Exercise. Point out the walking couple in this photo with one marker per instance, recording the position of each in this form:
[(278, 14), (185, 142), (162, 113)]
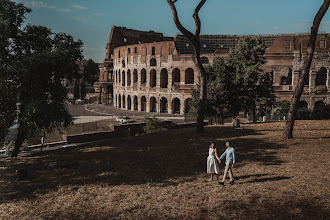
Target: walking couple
[(213, 162)]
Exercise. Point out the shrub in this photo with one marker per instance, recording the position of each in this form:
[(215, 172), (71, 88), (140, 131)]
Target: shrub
[(322, 112), (153, 125), (304, 114), (282, 107)]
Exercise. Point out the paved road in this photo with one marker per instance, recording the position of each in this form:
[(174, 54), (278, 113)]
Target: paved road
[(79, 110)]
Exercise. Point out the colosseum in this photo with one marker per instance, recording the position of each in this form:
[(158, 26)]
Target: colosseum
[(146, 71)]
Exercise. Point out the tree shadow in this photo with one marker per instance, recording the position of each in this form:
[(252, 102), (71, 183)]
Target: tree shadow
[(165, 159)]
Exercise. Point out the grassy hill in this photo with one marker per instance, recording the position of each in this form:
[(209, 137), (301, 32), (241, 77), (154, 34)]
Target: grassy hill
[(163, 175)]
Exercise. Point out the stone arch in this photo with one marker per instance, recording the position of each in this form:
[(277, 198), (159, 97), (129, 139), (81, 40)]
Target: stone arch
[(135, 103), (205, 60), (163, 78), (321, 77), (176, 106), (153, 78), (153, 104), (119, 101), (187, 105), (176, 75), (143, 76), (189, 76), (123, 78), (143, 103), (303, 104), (153, 62), (163, 105), (124, 102), (129, 102), (319, 103), (135, 76), (128, 77)]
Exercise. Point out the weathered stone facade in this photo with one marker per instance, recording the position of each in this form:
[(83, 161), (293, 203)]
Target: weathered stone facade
[(145, 71)]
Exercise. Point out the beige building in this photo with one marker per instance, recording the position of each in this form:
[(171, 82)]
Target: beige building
[(145, 71)]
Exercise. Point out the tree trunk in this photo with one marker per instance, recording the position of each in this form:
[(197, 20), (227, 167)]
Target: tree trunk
[(19, 140), (194, 39), (254, 114), (307, 61)]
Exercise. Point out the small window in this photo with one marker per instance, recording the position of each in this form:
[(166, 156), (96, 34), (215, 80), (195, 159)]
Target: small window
[(135, 49), (322, 44), (128, 50), (287, 45), (153, 51), (119, 54)]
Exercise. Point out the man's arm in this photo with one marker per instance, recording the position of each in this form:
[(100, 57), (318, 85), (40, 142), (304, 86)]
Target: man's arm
[(223, 155), (234, 157)]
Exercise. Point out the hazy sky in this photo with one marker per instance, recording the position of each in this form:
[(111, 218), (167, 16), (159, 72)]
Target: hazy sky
[(91, 20)]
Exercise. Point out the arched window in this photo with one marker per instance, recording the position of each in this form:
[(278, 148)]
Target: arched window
[(321, 77), (129, 102), (153, 104), (143, 76), (128, 77), (163, 78), (135, 102), (163, 105), (123, 63), (289, 78), (176, 75), (143, 103), (124, 102), (153, 78), (123, 78), (176, 106), (204, 60), (119, 101), (135, 76), (189, 76), (153, 62)]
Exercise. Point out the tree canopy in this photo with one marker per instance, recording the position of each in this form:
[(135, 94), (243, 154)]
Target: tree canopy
[(40, 60)]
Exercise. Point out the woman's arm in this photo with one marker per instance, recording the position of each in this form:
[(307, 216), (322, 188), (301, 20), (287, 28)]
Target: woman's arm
[(216, 155)]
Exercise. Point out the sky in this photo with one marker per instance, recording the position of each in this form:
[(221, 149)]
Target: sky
[(91, 20)]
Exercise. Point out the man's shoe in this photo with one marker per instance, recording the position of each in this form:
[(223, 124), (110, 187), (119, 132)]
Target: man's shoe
[(232, 182), (221, 183)]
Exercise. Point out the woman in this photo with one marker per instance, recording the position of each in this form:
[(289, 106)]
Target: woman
[(212, 165)]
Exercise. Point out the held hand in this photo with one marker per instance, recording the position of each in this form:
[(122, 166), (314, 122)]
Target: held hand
[(232, 166)]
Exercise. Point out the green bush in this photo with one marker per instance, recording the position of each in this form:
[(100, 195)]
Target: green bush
[(304, 114), (321, 112), (153, 125)]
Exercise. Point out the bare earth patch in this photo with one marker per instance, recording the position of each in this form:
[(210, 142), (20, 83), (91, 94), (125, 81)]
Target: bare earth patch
[(164, 176)]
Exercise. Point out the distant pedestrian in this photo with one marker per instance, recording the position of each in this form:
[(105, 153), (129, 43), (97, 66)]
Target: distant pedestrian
[(230, 155), (212, 161)]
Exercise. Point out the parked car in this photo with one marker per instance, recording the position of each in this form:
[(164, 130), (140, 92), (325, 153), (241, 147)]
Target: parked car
[(124, 119)]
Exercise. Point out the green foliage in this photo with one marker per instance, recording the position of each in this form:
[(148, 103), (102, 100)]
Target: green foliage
[(153, 125), (322, 112), (283, 107), (304, 114), (237, 83), (39, 60), (91, 71), (82, 88)]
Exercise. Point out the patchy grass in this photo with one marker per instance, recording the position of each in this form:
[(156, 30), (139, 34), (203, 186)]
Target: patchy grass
[(164, 176)]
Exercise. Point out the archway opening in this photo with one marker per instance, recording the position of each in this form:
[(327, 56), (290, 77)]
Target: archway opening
[(321, 77), (176, 106), (128, 77), (153, 78), (143, 103), (189, 76), (143, 76), (303, 104), (119, 101), (135, 76), (153, 62), (135, 102), (124, 102), (123, 78), (163, 105), (204, 60), (153, 104), (129, 102), (163, 78), (176, 75)]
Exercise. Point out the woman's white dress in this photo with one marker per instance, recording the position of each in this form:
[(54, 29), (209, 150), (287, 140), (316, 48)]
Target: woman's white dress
[(212, 164)]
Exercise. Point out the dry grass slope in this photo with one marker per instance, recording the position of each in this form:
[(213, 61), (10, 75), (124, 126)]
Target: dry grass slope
[(163, 176)]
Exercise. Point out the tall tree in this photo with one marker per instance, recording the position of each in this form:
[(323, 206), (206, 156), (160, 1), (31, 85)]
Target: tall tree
[(12, 16), (82, 88), (245, 60), (40, 60), (76, 94), (195, 41), (91, 70), (307, 62)]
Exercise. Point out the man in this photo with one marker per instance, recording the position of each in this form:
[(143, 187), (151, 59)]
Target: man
[(230, 161)]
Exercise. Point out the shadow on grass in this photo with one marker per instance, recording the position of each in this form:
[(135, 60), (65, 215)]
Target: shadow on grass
[(166, 159)]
